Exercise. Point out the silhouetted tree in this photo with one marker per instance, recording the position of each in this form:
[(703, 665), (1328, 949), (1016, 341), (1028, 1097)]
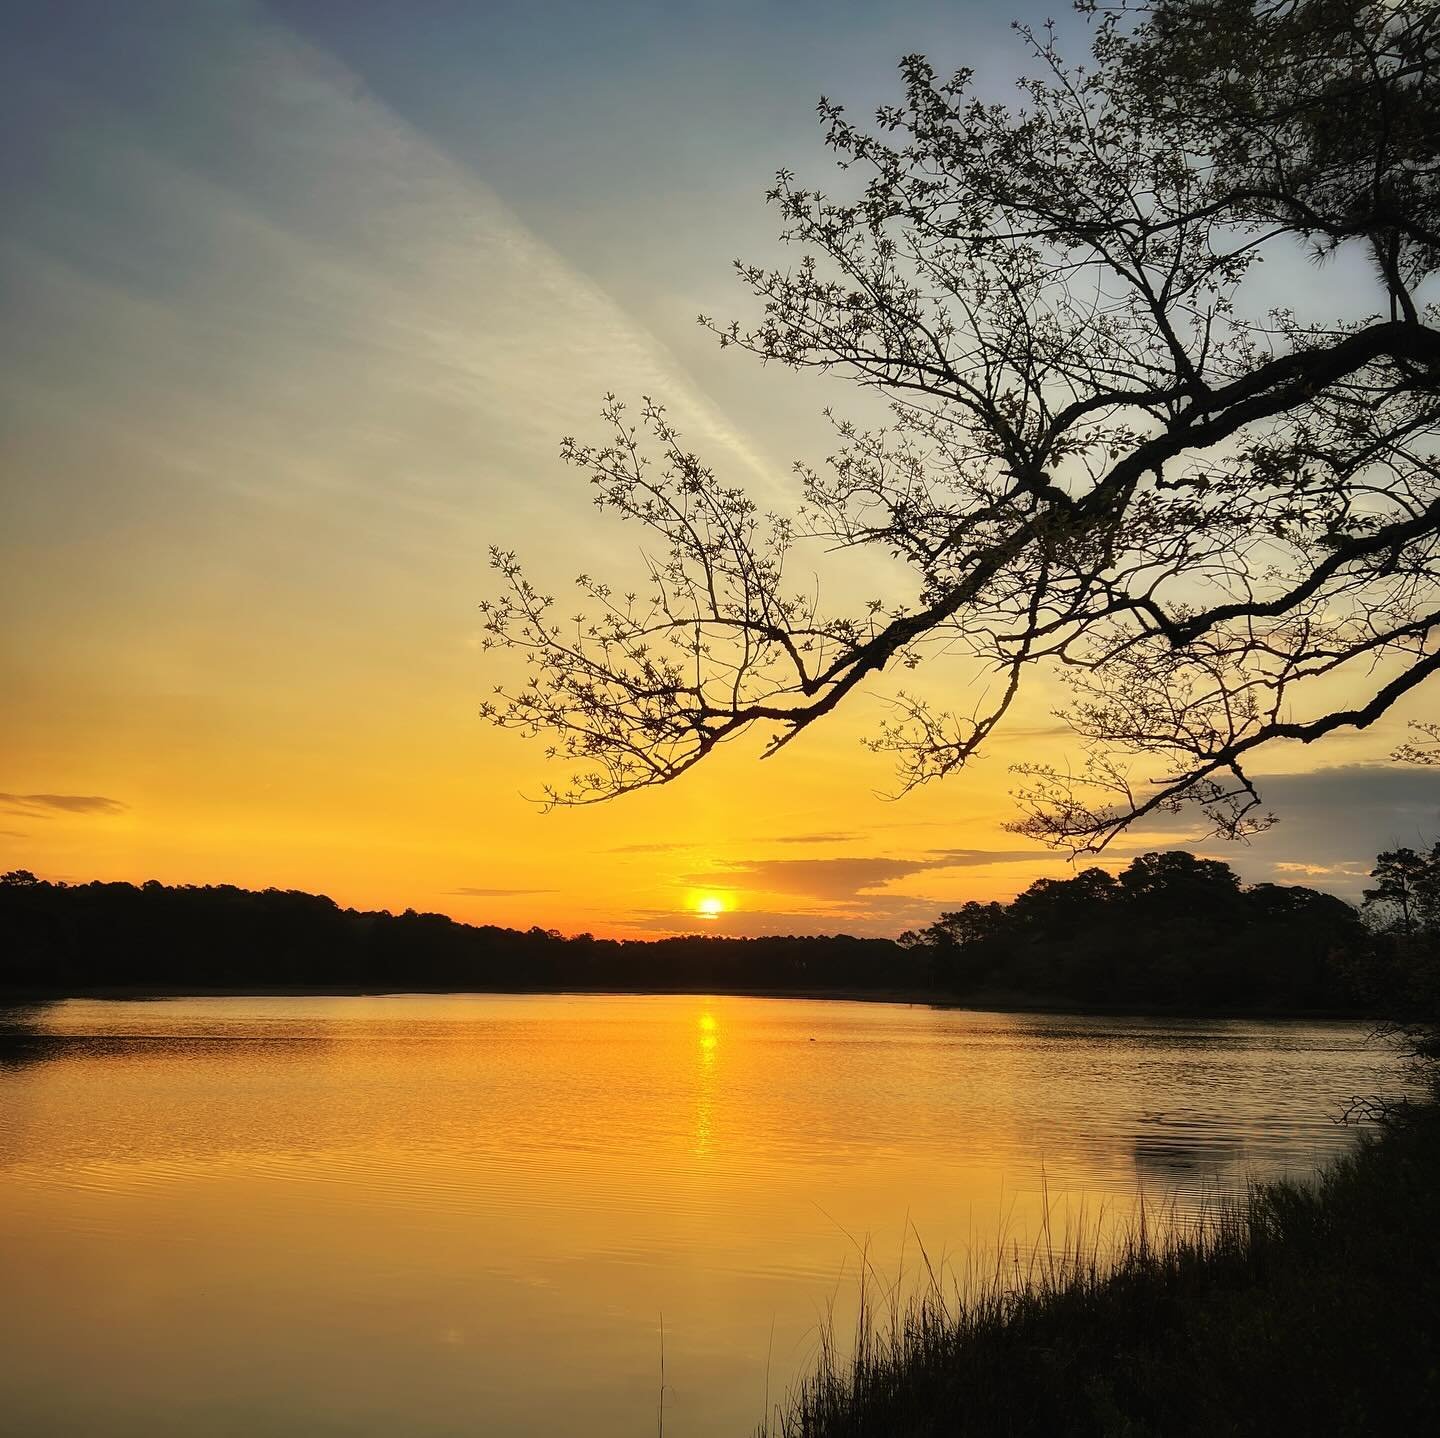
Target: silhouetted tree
[(1177, 884), (1222, 525), (57, 938), (1404, 906), (961, 945), (1171, 929), (1408, 888)]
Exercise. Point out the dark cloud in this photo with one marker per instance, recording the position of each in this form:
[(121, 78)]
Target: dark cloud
[(1403, 796), (979, 858), (500, 893), (42, 804), (840, 879), (826, 879), (1332, 823)]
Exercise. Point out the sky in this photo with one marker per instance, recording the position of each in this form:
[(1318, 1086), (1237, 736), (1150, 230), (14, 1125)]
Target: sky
[(299, 300)]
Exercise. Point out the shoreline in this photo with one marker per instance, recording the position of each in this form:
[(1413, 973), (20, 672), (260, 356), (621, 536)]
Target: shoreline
[(997, 1003), (1305, 1307)]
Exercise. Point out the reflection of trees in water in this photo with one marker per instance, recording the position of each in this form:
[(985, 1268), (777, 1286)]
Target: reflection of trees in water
[(26, 1039), (1152, 1031), (117, 1094), (1172, 1147), (22, 1040)]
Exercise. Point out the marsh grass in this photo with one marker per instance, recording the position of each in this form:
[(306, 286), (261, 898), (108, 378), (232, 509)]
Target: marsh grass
[(1305, 1308)]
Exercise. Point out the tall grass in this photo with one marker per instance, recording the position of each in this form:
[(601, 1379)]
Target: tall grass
[(1306, 1307)]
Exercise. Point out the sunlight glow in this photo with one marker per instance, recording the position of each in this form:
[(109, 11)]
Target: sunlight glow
[(708, 1038), (710, 907)]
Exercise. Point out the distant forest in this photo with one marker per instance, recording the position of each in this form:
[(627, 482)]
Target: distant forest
[(1171, 931)]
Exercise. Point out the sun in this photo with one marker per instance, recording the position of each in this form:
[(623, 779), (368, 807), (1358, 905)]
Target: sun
[(710, 907)]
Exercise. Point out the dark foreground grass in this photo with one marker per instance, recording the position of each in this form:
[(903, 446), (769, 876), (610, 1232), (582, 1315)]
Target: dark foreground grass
[(1308, 1309)]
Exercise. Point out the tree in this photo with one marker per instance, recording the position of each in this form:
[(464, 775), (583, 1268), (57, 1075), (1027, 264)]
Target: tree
[(1408, 887), (973, 923), (1220, 525), (1170, 929), (962, 943), (1052, 907), (1177, 883)]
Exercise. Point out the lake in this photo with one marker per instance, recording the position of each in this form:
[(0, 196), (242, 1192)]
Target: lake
[(443, 1215)]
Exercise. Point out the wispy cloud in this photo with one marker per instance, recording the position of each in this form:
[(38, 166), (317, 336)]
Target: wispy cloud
[(41, 805), (1316, 871), (342, 255), (477, 893), (1036, 731)]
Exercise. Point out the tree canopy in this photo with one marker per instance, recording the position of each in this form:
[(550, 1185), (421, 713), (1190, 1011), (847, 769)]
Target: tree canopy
[(1406, 895), (1171, 929), (1217, 521), (64, 938)]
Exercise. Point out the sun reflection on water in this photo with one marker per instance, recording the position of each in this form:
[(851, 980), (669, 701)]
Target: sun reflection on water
[(706, 1075)]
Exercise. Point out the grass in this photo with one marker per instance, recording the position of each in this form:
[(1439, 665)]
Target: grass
[(1308, 1308)]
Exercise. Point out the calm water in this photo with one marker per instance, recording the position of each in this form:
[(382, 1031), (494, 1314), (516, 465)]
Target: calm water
[(466, 1215)]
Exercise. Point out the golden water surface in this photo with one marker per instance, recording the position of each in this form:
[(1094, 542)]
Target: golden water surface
[(444, 1215)]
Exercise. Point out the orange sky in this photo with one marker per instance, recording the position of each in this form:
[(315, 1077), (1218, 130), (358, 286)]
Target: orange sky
[(280, 366)]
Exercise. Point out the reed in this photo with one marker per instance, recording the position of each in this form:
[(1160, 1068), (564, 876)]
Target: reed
[(1305, 1307)]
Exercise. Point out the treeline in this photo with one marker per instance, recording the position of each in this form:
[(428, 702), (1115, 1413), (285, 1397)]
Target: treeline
[(1171, 931), (63, 938)]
